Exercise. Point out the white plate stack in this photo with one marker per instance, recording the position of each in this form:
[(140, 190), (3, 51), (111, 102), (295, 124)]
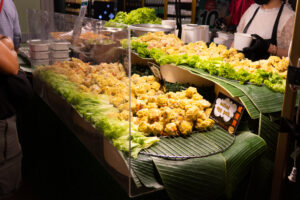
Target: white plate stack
[(39, 52), (224, 38), (59, 51)]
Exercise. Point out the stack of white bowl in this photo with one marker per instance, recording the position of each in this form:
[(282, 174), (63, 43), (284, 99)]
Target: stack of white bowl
[(224, 38), (39, 52), (59, 51)]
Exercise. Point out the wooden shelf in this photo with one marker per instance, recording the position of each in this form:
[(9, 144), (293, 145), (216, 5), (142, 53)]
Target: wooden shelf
[(182, 16), (72, 10), (73, 2), (107, 1)]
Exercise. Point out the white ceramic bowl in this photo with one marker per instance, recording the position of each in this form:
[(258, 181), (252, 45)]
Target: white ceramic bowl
[(241, 41)]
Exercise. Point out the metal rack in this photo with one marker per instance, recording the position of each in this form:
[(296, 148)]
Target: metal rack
[(189, 5), (161, 7), (284, 136)]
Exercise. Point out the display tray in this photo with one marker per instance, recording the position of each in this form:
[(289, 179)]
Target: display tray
[(138, 60), (197, 145), (195, 175), (106, 154), (176, 74)]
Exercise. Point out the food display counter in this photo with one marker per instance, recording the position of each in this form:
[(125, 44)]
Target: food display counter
[(152, 134)]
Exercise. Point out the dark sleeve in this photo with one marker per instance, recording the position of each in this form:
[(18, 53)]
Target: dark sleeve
[(19, 90)]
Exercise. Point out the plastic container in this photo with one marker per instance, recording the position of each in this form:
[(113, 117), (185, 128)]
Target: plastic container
[(38, 45), (225, 35), (204, 33), (60, 45), (219, 40), (39, 55), (189, 33), (60, 54), (223, 41), (55, 60), (169, 22), (241, 41), (38, 62)]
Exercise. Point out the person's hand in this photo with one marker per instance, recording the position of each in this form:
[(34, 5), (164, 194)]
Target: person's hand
[(258, 49), (220, 23)]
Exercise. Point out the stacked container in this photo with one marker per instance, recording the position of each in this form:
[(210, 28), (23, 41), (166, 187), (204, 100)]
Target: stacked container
[(45, 52), (59, 51), (39, 52)]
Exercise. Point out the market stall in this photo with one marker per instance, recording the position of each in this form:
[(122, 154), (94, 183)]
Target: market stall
[(152, 134)]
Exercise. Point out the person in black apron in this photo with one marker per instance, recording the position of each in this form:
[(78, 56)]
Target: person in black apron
[(15, 92), (262, 48)]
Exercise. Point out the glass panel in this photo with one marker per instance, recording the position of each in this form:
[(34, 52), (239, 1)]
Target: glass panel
[(104, 94), (146, 114)]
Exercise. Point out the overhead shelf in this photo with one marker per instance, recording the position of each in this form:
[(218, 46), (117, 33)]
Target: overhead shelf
[(73, 1), (73, 10), (184, 3), (103, 0)]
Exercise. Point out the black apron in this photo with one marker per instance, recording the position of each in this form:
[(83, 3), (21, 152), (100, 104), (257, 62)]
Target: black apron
[(273, 39)]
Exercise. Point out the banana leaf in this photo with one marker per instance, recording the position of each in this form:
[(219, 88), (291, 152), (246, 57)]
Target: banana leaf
[(250, 107), (261, 178), (144, 169), (199, 144), (268, 130), (257, 99), (211, 177), (231, 89)]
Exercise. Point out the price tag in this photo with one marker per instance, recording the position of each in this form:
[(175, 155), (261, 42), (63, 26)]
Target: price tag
[(227, 113), (157, 73)]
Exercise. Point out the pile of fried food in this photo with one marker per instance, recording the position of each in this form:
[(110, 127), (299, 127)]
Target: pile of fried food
[(153, 112), (172, 45)]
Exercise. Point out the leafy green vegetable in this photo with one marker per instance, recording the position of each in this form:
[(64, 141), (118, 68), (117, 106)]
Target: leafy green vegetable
[(214, 66), (276, 82), (138, 16), (97, 111), (258, 77), (140, 48)]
